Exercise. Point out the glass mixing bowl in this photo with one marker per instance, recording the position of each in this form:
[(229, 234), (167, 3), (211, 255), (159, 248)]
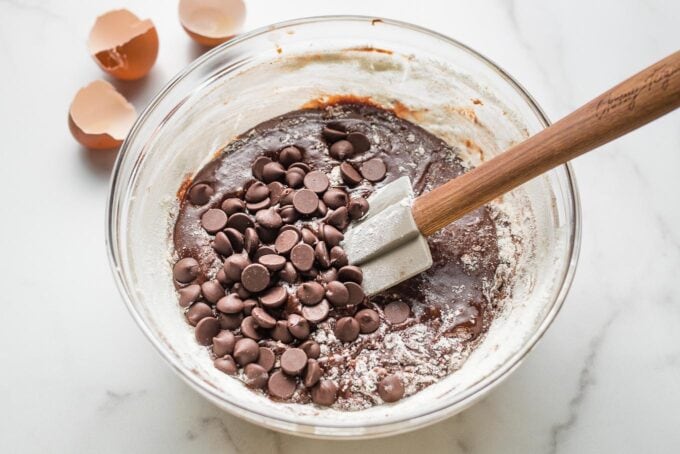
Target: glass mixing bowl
[(425, 77)]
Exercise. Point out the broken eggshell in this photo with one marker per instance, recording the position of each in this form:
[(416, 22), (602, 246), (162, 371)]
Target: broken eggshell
[(99, 116), (212, 22), (123, 45)]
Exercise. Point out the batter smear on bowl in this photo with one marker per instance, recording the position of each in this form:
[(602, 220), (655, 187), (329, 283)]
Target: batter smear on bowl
[(262, 276)]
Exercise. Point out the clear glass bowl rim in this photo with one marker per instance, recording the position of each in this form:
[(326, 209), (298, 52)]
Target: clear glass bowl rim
[(429, 416)]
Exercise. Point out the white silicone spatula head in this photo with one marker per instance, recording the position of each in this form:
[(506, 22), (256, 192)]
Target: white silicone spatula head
[(387, 244)]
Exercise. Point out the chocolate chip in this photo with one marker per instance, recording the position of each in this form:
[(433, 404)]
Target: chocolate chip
[(249, 328), (234, 266), (258, 166), (333, 135), (391, 389), (357, 208), (232, 205), (289, 273), (214, 220), (310, 293), (200, 193), (341, 150), (212, 291), (274, 297), (230, 304), (289, 155), (230, 321), (269, 218), (331, 235), (331, 274), (262, 251), (257, 206), (266, 235), (350, 273), (189, 294), (251, 241), (359, 141), (295, 178), (280, 332), (236, 239), (223, 343), (325, 392), (257, 192), (349, 174), (246, 351), (321, 254), (397, 312), (308, 236), (267, 359), (316, 313), (338, 257), (197, 312), (373, 170), (273, 262), (312, 374), (240, 222), (337, 293), (222, 245), (356, 293), (305, 201), (289, 227), (300, 165), (298, 326), (226, 364), (289, 214), (302, 256), (222, 278), (240, 290), (293, 361), (286, 240), (281, 386), (255, 277), (316, 181), (368, 319), (321, 210), (339, 218), (311, 349), (275, 191), (206, 329), (262, 318), (335, 198), (287, 197), (255, 376), (293, 305), (272, 171), (346, 329), (249, 305), (185, 270)]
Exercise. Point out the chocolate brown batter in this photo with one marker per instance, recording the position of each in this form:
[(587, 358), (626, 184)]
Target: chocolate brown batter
[(447, 308)]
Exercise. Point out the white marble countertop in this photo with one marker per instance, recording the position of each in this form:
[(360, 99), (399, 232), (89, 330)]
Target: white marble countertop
[(78, 376)]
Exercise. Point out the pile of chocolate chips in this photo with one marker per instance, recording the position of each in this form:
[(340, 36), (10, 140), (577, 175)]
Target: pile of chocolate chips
[(284, 272)]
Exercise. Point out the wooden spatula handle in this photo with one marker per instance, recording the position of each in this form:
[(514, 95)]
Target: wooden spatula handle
[(647, 95)]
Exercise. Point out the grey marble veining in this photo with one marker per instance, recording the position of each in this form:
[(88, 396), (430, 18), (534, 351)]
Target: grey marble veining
[(78, 376)]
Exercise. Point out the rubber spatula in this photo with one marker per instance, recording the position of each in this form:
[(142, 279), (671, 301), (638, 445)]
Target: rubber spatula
[(390, 243)]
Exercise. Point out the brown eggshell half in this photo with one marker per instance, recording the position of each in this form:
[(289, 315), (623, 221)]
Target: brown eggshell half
[(212, 22), (100, 117), (123, 45)]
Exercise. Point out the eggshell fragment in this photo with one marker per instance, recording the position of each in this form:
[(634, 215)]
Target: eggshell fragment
[(100, 117), (212, 22), (123, 45)]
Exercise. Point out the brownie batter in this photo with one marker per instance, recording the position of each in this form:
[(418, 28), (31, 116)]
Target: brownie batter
[(353, 354)]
